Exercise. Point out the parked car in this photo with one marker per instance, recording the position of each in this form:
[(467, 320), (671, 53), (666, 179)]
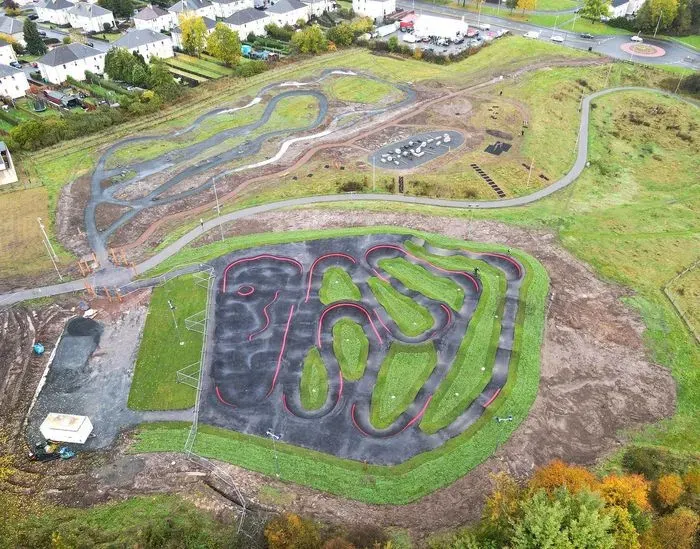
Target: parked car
[(532, 34), (637, 38), (577, 10), (15, 64), (90, 44), (557, 38), (587, 36), (42, 33), (33, 17), (484, 26)]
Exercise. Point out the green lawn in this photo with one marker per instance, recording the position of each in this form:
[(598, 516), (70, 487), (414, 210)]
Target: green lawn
[(418, 278), (412, 318), (314, 381), (337, 285), (351, 347), (403, 372), (154, 386), (693, 40), (359, 89)]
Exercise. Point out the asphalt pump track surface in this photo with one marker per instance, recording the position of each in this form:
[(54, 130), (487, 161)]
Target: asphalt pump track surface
[(267, 316)]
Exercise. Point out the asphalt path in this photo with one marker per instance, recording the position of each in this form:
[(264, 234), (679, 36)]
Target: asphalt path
[(609, 45), (112, 277)]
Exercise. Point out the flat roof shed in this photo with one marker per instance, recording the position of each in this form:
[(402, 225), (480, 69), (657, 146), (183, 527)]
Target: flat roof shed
[(66, 428)]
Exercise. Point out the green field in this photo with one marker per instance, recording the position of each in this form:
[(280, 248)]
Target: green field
[(403, 372), (351, 347), (412, 318), (313, 385), (360, 90), (161, 354), (337, 285)]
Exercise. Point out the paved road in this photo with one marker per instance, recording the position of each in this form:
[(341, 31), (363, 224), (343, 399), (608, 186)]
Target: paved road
[(676, 54), (119, 277)]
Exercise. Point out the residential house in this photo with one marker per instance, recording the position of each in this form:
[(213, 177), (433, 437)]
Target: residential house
[(224, 8), (7, 167), (288, 12), (7, 53), (177, 33), (90, 17), (625, 8), (248, 20), (155, 18), (203, 8), (147, 43), (376, 9), (14, 28), (317, 7), (70, 60), (54, 11), (13, 82)]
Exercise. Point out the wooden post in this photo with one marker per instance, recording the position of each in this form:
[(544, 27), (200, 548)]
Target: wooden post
[(113, 255), (109, 296), (80, 266), (118, 294), (125, 262)]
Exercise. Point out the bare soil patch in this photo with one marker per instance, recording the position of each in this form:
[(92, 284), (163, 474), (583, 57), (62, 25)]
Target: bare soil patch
[(70, 217)]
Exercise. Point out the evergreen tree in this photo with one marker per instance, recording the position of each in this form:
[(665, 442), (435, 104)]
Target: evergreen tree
[(35, 45)]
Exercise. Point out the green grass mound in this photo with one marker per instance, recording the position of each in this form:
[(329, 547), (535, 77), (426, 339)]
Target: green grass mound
[(154, 386), (412, 318), (351, 347), (313, 386), (420, 279), (356, 89), (338, 286), (403, 372)]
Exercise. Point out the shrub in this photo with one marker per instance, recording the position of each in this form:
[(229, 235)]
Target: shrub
[(351, 186), (674, 531), (692, 481), (669, 489), (246, 70), (280, 33), (558, 474), (292, 532), (622, 490), (652, 462)]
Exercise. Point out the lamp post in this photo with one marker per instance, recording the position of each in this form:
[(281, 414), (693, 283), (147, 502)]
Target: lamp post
[(49, 248), (275, 438), (661, 12), (218, 208)]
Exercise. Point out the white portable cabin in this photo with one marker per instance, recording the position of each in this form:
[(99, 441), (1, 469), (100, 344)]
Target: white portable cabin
[(66, 428)]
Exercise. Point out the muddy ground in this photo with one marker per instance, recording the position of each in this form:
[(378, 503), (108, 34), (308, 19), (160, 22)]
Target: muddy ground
[(596, 381)]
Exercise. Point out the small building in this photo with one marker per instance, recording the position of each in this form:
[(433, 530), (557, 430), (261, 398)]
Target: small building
[(248, 20), (8, 174), (7, 53), (13, 28), (155, 18), (90, 17), (442, 27), (376, 9), (61, 99), (203, 8), (225, 8), (66, 428), (176, 35), (54, 11), (318, 7), (70, 60), (625, 8), (146, 43), (13, 82), (288, 12)]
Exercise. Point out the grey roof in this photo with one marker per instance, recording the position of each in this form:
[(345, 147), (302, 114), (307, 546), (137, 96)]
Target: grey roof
[(57, 5), (618, 3), (136, 38), (4, 43), (285, 6), (245, 16), (6, 70), (10, 26), (68, 53), (83, 9), (149, 13), (208, 23), (188, 5)]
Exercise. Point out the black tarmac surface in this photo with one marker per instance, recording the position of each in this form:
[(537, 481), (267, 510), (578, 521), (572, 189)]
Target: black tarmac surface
[(416, 150), (265, 324)]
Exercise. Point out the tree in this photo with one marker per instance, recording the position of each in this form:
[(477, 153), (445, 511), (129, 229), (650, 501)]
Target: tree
[(224, 44), (310, 40), (194, 33), (292, 532), (362, 25), (393, 43), (624, 531), (669, 489), (674, 531), (511, 4), (161, 80), (35, 45), (558, 474), (527, 4), (341, 35), (594, 9), (683, 23), (657, 12), (622, 490), (120, 8)]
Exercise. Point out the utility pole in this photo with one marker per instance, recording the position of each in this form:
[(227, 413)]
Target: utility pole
[(529, 173), (43, 231), (661, 12), (49, 248), (374, 175), (679, 83), (275, 438), (218, 209), (177, 328), (607, 78)]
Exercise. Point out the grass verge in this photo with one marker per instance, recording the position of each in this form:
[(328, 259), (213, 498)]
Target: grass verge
[(412, 318), (359, 89), (351, 348), (337, 285), (313, 386)]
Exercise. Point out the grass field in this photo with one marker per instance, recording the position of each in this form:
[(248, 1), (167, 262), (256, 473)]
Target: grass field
[(351, 347), (338, 286), (313, 386), (403, 372), (418, 278), (693, 40), (686, 293), (412, 318), (161, 355), (359, 89)]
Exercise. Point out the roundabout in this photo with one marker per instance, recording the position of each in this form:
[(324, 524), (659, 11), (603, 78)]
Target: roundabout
[(643, 50)]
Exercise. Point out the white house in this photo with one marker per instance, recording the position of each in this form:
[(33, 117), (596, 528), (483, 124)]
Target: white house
[(70, 60), (248, 20), (7, 53), (177, 33), (224, 8), (12, 28), (13, 82), (317, 7), (90, 17), (54, 11), (155, 18), (7, 166), (147, 43), (376, 9), (288, 12), (624, 8), (203, 8)]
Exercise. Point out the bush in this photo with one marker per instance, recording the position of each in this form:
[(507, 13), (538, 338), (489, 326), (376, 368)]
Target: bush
[(652, 462), (351, 186), (292, 532), (623, 23), (280, 33), (558, 474), (246, 70), (669, 489)]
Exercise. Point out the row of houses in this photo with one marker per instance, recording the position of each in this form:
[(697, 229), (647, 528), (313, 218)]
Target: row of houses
[(80, 15)]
